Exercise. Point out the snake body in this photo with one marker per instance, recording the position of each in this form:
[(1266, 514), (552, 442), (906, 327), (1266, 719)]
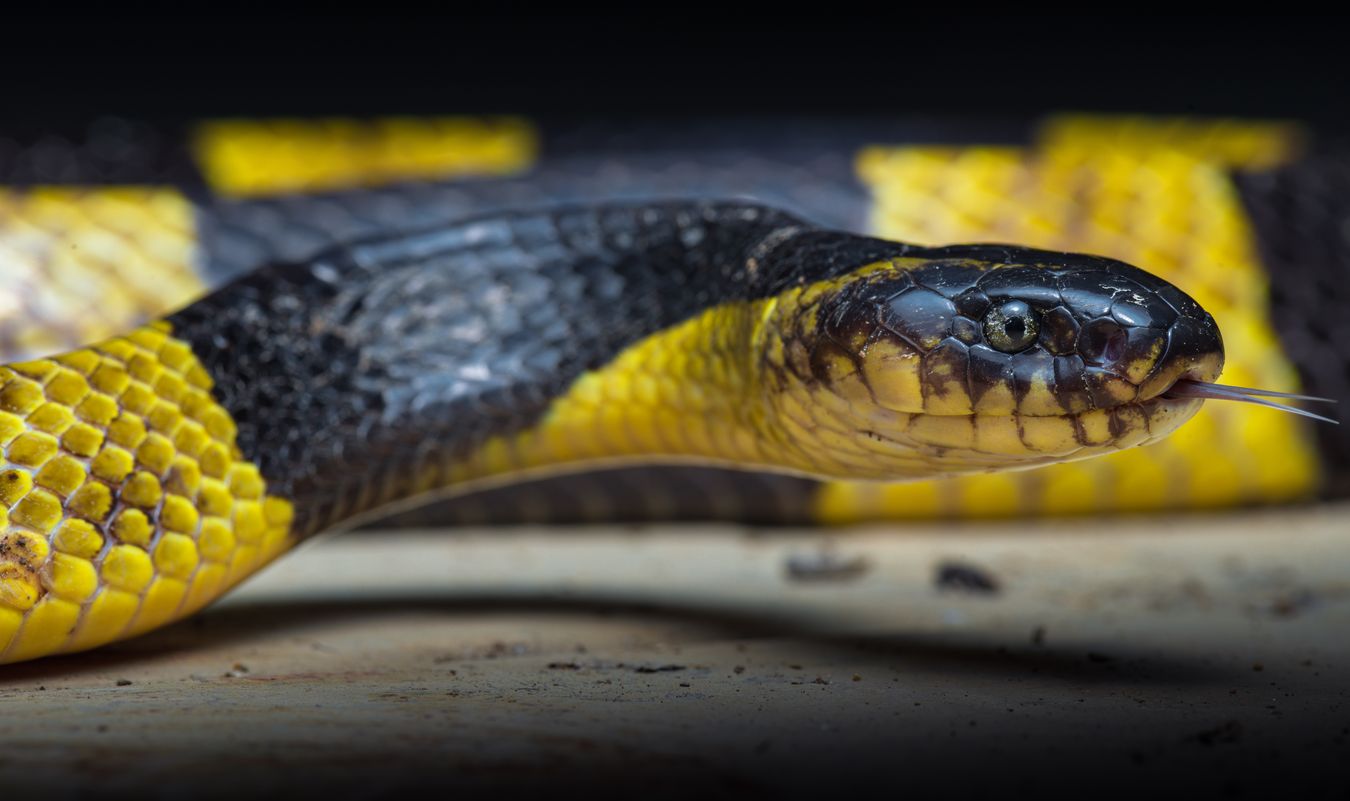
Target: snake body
[(152, 472)]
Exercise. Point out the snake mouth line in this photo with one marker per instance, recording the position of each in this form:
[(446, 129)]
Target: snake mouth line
[(1203, 390)]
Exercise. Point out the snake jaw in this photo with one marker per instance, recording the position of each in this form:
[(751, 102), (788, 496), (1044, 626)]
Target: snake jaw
[(1188, 350)]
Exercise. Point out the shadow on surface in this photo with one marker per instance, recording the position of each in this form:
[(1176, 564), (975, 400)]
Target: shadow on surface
[(967, 653)]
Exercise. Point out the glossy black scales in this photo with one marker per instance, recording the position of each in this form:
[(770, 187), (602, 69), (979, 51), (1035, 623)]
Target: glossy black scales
[(1094, 331), (357, 377), (353, 374)]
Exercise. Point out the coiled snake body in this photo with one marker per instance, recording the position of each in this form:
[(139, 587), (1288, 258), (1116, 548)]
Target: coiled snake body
[(154, 471)]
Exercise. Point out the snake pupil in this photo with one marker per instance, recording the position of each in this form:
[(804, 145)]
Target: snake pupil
[(1011, 326)]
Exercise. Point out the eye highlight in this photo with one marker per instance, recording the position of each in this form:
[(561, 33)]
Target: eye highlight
[(1011, 326)]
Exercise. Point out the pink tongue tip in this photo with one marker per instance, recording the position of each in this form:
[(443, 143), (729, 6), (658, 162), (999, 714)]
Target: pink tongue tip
[(1185, 388)]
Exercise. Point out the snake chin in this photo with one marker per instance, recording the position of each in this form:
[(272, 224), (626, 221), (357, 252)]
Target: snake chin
[(1165, 415)]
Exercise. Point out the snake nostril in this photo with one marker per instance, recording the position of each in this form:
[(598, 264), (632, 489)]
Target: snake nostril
[(1102, 341)]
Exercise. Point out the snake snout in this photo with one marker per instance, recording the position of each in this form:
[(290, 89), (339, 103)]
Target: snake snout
[(1192, 350), (1142, 336), (1152, 334)]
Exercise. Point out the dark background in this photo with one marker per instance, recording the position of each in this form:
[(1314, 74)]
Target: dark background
[(666, 61)]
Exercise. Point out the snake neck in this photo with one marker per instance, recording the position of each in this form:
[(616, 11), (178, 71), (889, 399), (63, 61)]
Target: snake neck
[(379, 371), (690, 393)]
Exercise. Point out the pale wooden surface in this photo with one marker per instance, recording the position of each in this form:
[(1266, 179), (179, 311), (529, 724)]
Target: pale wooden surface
[(1211, 652)]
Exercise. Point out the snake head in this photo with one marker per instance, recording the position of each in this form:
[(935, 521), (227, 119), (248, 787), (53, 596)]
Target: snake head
[(977, 358)]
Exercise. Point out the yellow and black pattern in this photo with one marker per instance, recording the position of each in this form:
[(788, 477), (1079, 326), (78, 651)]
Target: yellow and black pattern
[(1138, 191), (81, 264), (723, 332), (1151, 191), (147, 474), (813, 405), (124, 499), (1301, 213)]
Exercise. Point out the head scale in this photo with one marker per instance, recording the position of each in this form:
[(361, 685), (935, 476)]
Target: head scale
[(974, 358)]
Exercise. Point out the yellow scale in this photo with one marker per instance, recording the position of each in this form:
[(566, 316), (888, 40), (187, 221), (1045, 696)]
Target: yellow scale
[(124, 500), (244, 158), (78, 265)]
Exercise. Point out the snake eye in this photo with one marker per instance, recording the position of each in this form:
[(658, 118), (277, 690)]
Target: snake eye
[(1011, 326)]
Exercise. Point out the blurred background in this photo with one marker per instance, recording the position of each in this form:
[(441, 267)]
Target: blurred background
[(1180, 619)]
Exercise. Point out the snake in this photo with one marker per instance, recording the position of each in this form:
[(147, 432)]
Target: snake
[(151, 472)]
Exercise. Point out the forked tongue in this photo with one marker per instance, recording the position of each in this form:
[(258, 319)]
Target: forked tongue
[(1186, 388)]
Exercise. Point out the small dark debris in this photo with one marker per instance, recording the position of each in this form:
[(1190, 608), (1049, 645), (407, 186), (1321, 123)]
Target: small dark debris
[(1038, 635), (1293, 604), (856, 677), (1227, 732), (1258, 667), (684, 684), (124, 682), (1094, 656), (499, 649), (820, 680), (738, 670), (102, 728), (826, 565), (563, 666), (959, 577), (658, 668)]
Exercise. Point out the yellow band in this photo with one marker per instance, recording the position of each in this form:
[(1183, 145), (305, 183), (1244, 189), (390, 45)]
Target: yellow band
[(124, 501)]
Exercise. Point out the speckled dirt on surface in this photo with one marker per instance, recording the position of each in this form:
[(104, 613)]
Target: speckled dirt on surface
[(1210, 652)]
